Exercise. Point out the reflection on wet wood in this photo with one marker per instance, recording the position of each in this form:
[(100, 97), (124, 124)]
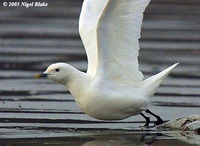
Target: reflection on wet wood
[(33, 38)]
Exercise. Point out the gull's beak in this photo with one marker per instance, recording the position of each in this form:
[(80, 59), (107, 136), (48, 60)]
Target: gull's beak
[(43, 75)]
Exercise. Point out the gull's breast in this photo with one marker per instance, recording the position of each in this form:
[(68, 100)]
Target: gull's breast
[(112, 104)]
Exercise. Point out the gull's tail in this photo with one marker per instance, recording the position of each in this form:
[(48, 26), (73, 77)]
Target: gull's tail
[(152, 83)]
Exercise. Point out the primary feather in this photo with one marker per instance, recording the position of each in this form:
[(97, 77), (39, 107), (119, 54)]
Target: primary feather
[(90, 13), (110, 30), (118, 32)]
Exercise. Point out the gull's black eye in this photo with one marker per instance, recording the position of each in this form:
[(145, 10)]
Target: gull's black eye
[(57, 70)]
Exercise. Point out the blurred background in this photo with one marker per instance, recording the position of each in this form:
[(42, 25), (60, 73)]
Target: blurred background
[(35, 37)]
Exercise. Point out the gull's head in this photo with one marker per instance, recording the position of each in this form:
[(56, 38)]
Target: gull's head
[(58, 72)]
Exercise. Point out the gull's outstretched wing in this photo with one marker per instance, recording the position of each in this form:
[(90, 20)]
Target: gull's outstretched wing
[(89, 17), (118, 30)]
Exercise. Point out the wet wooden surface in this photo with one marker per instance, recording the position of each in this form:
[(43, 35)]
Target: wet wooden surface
[(33, 38)]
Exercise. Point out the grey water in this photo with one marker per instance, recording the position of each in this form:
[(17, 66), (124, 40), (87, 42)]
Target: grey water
[(40, 112)]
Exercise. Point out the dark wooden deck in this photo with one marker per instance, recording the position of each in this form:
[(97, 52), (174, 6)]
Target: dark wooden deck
[(33, 38)]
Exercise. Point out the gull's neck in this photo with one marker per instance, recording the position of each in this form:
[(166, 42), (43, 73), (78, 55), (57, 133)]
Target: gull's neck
[(77, 82)]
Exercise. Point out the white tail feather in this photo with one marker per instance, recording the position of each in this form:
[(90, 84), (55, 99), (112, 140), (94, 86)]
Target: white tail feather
[(152, 83)]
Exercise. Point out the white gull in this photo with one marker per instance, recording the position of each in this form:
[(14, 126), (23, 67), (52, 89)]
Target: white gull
[(113, 87)]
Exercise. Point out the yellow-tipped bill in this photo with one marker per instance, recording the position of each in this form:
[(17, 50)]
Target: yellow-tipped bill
[(40, 75)]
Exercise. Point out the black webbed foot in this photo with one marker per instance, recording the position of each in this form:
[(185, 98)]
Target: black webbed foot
[(147, 120), (159, 119), (156, 123)]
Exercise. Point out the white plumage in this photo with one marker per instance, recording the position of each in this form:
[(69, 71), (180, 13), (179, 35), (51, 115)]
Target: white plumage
[(113, 87), (113, 47)]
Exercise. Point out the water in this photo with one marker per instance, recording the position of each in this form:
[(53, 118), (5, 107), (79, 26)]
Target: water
[(40, 112)]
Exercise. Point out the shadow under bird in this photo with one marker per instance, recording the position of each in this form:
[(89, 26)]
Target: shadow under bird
[(113, 87)]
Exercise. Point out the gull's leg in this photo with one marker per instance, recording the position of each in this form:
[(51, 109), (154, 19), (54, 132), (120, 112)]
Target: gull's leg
[(159, 120), (147, 120)]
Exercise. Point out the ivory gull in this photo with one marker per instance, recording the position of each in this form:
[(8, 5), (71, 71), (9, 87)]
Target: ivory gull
[(113, 87)]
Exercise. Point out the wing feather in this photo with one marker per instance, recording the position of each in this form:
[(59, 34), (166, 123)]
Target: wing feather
[(110, 31), (90, 14), (118, 33)]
